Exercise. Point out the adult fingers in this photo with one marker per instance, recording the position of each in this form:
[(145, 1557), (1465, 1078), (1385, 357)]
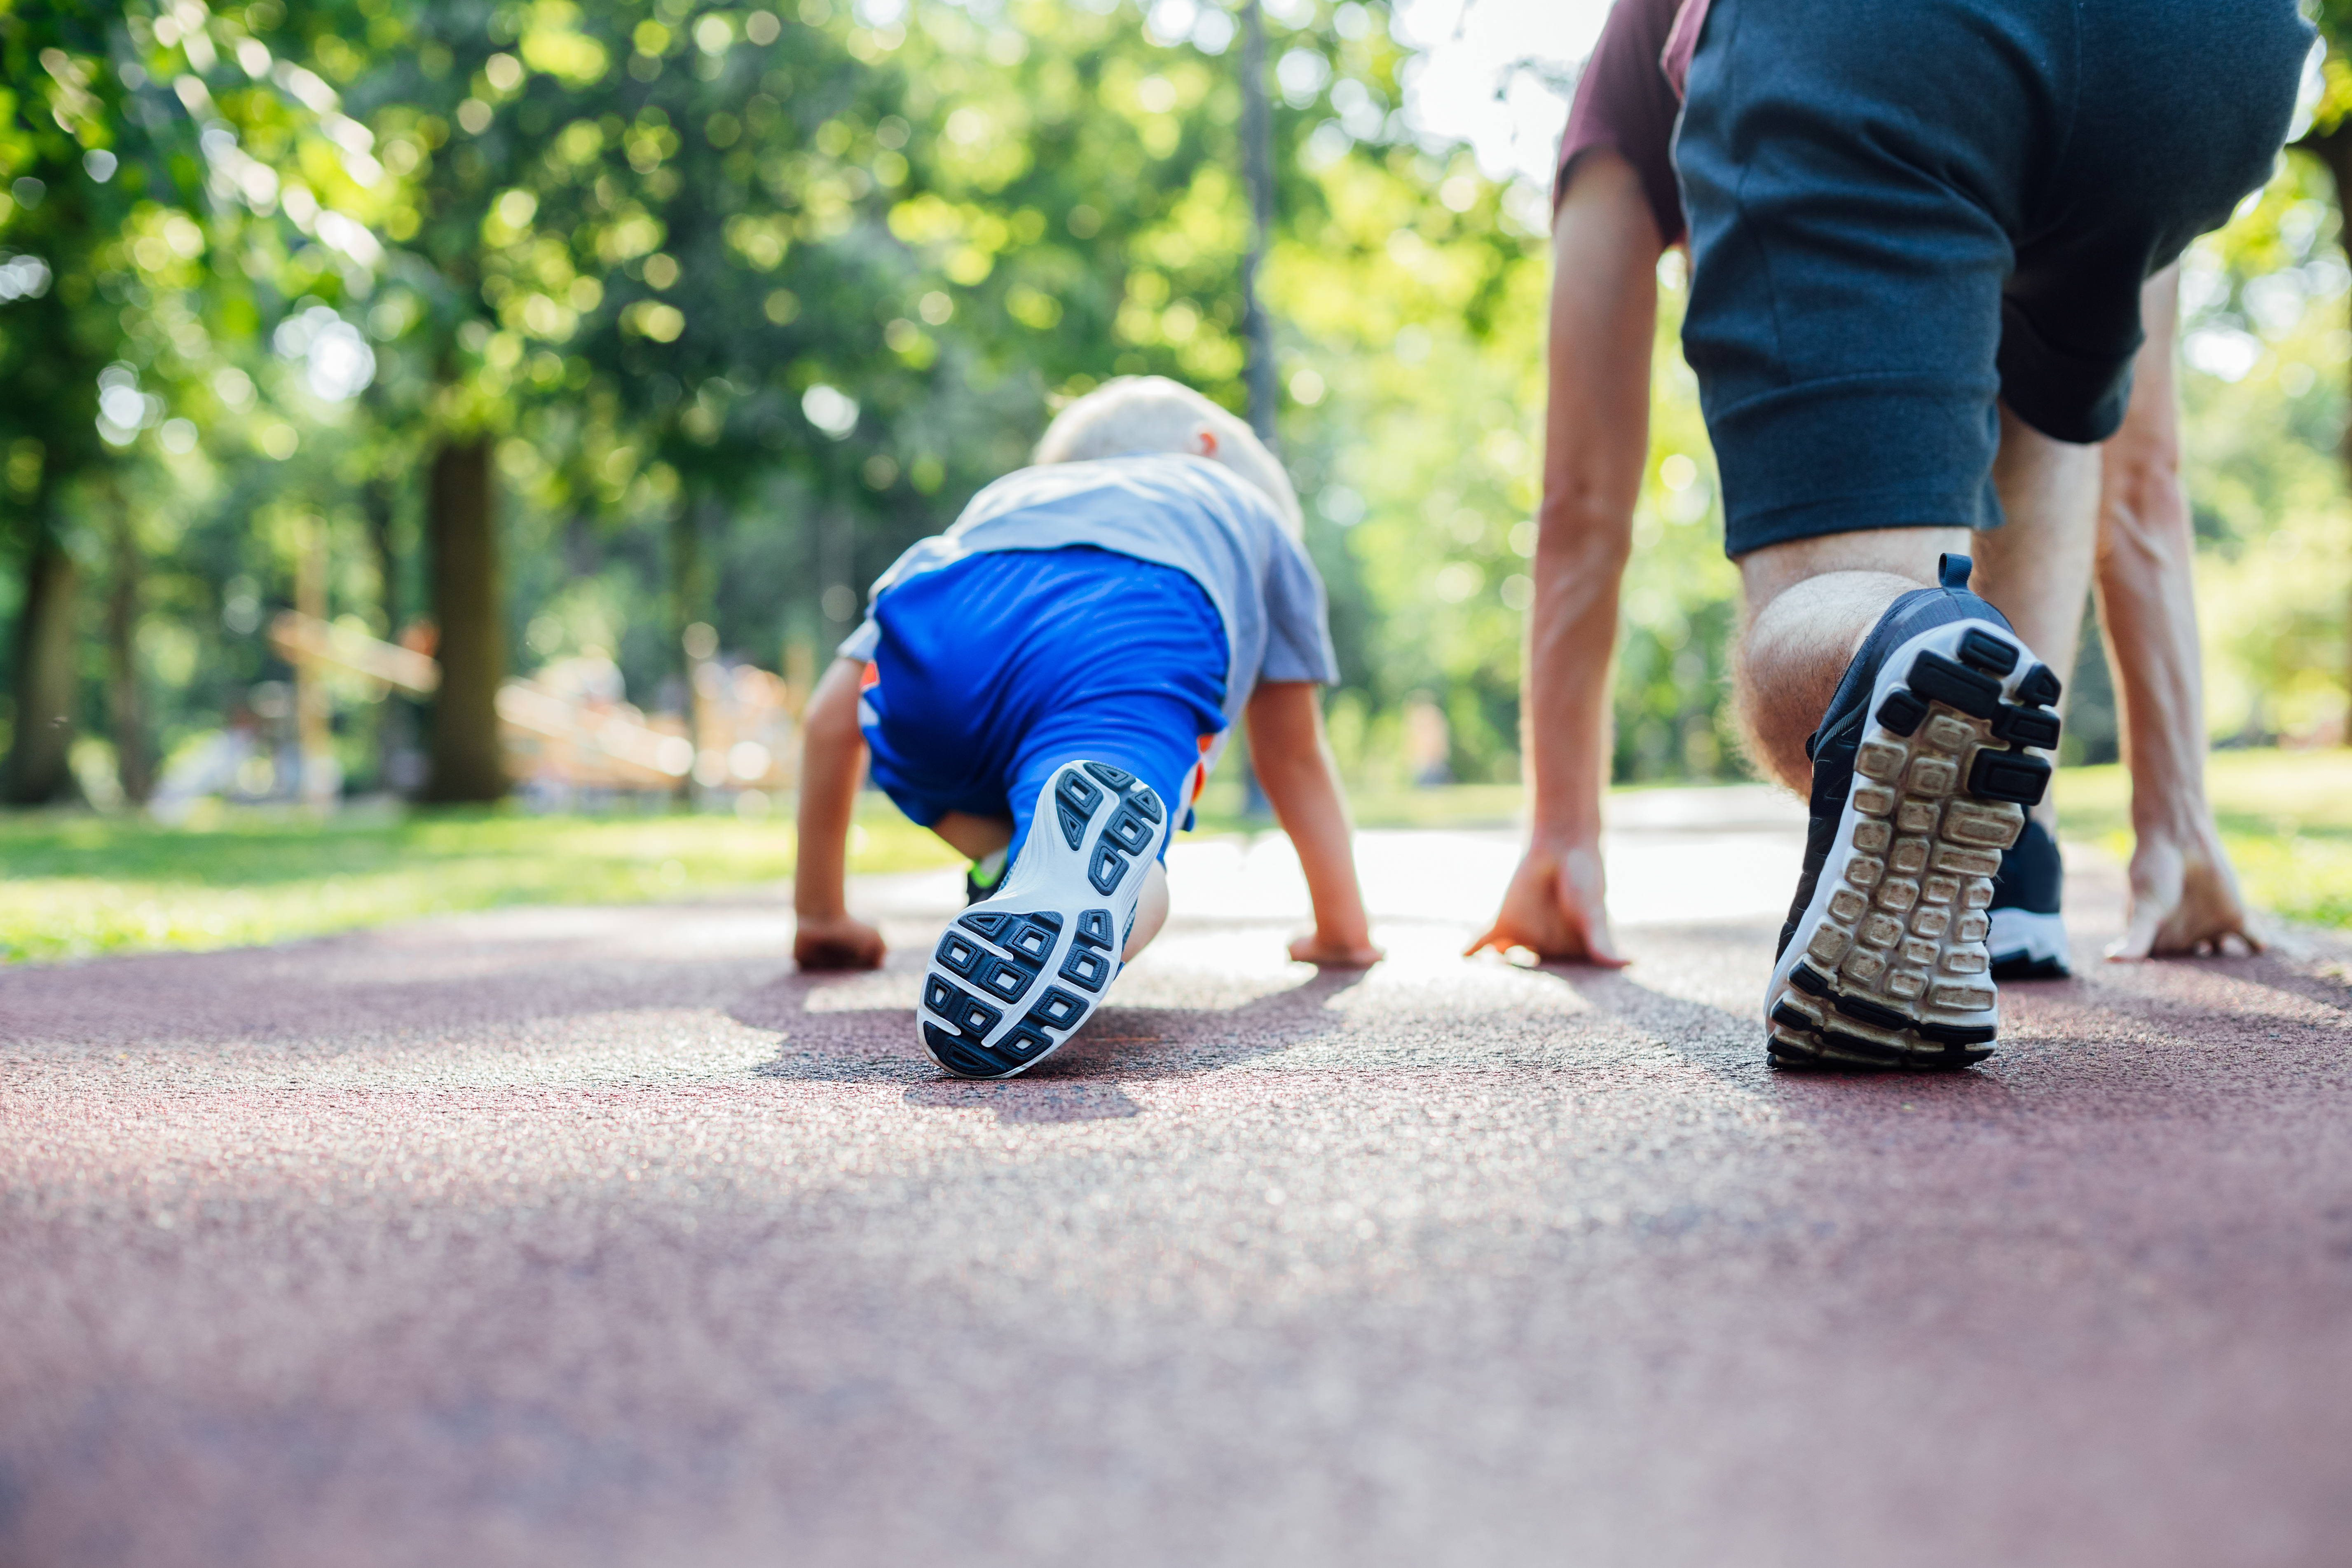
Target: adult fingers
[(1494, 936), (2138, 939), (1585, 910)]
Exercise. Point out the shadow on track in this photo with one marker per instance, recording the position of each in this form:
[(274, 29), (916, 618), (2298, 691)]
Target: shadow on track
[(1079, 1083), (1729, 1046)]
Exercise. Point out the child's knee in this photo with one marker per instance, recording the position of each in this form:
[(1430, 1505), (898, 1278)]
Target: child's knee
[(974, 838)]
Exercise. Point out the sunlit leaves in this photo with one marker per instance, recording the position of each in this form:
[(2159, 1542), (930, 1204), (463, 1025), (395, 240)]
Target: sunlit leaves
[(653, 318), (1033, 308), (761, 243), (633, 232), (72, 105)]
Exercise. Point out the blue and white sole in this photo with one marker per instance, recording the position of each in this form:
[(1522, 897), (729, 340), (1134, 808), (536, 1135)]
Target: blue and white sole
[(1888, 966), (1019, 972)]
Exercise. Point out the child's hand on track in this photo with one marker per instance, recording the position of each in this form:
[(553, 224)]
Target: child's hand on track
[(837, 942), (1329, 953)]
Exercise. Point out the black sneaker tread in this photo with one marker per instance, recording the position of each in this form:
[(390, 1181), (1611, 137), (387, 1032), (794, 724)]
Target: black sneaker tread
[(1891, 909)]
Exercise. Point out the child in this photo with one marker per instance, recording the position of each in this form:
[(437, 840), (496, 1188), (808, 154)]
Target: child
[(1051, 680)]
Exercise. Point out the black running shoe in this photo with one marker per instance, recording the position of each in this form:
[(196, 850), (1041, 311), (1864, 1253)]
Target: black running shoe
[(2029, 934), (1020, 971), (1923, 768)]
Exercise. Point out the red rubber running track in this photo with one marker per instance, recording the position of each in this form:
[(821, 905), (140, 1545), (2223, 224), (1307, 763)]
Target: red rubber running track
[(600, 1237)]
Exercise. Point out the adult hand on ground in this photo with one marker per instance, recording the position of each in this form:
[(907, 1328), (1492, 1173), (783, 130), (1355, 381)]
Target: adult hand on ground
[(2184, 902), (1557, 907), (1331, 952), (837, 942)]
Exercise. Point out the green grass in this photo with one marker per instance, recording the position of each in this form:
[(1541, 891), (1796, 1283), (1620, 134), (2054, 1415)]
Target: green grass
[(1450, 805), (78, 884), (2285, 819), (72, 884)]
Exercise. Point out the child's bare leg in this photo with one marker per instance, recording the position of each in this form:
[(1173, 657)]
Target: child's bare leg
[(974, 838), (977, 837), (1150, 911)]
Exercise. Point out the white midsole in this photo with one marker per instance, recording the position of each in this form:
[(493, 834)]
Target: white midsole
[(2040, 937)]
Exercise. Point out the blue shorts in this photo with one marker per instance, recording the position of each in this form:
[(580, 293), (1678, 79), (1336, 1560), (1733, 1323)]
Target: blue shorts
[(992, 672), (1901, 210)]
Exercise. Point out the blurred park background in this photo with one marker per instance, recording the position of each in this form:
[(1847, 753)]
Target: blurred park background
[(440, 440)]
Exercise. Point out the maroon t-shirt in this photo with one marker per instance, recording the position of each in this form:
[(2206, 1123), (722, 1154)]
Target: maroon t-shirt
[(1628, 97)]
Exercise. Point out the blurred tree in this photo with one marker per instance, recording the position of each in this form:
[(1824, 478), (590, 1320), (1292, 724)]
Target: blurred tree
[(125, 128), (573, 321), (461, 512), (60, 131), (411, 77), (1258, 167), (2328, 139), (2265, 345)]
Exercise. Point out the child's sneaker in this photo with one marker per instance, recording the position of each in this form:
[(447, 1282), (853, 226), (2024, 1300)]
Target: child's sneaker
[(1019, 972), (982, 877), (1923, 768)]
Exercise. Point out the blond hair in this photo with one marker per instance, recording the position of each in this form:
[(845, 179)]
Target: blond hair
[(1153, 414)]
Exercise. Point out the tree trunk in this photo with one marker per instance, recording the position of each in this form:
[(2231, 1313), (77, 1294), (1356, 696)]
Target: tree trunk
[(395, 722), (467, 761), (2333, 148), (37, 771), (376, 502), (1257, 165), (687, 592), (687, 598), (133, 765)]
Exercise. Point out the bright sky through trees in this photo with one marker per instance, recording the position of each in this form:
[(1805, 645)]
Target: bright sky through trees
[(1493, 74)]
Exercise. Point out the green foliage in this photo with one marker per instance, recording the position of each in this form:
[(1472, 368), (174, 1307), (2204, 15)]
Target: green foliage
[(2285, 819), (751, 297), (2265, 348), (1417, 307)]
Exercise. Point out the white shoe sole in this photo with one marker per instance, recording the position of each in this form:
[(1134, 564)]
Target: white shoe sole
[(2028, 945), (1888, 966), (1019, 972)]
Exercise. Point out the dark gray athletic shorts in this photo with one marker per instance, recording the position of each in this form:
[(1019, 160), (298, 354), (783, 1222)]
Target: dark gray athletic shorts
[(1902, 209)]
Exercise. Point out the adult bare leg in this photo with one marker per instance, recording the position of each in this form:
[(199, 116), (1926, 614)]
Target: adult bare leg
[(1811, 603), (1596, 442), (2036, 568), (2184, 896)]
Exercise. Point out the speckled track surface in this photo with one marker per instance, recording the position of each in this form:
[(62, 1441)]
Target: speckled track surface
[(592, 1237)]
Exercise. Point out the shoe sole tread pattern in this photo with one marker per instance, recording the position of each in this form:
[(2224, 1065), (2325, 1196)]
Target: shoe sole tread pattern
[(1889, 966), (1042, 951)]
